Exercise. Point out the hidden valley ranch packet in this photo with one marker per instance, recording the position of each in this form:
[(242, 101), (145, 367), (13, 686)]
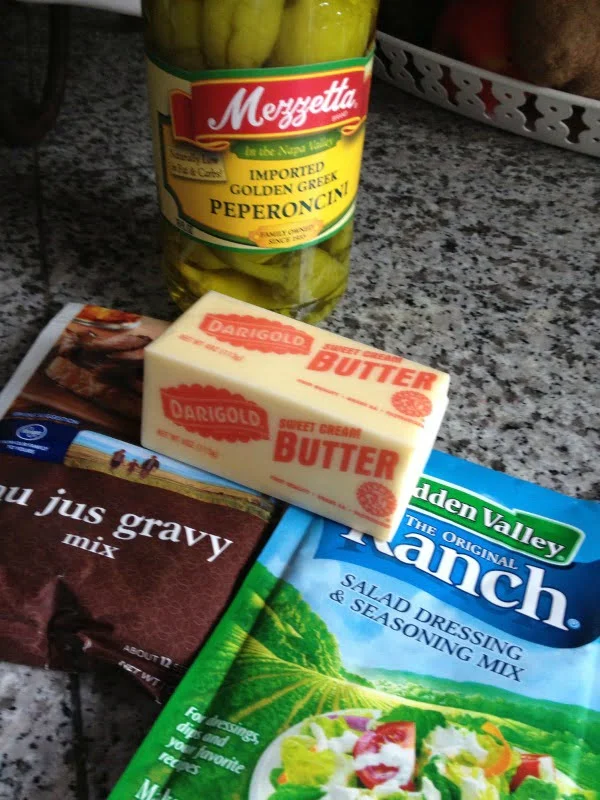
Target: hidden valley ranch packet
[(457, 662)]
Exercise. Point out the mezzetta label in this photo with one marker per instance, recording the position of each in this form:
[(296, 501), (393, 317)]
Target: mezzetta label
[(215, 111), (262, 159)]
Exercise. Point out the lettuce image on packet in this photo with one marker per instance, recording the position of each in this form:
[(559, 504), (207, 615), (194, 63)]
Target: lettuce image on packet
[(458, 661)]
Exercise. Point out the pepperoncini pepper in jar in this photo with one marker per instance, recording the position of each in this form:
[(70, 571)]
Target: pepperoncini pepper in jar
[(258, 110)]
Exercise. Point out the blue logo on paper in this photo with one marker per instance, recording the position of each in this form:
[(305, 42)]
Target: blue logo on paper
[(45, 442), (31, 433)]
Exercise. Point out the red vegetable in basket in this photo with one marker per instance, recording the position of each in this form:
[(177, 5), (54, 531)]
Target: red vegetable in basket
[(477, 33)]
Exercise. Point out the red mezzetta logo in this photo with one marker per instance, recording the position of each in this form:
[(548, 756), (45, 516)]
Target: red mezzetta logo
[(215, 413), (257, 333), (219, 110)]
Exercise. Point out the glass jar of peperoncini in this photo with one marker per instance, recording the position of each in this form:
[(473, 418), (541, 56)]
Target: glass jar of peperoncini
[(258, 112)]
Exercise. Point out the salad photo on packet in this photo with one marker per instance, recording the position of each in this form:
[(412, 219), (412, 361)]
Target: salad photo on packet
[(458, 661)]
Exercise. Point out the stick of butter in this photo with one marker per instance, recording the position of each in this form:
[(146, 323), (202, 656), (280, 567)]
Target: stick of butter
[(292, 411)]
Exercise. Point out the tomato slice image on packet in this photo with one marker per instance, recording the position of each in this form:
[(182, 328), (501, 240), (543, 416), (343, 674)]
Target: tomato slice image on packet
[(385, 754), (457, 662)]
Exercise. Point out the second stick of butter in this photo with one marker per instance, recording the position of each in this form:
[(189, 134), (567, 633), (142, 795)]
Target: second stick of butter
[(293, 411)]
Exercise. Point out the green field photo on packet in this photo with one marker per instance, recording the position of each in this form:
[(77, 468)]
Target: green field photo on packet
[(457, 662)]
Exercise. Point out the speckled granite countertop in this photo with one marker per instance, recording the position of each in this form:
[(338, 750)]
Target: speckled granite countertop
[(475, 251)]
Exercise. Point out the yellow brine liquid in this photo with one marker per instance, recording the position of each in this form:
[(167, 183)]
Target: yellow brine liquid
[(258, 112)]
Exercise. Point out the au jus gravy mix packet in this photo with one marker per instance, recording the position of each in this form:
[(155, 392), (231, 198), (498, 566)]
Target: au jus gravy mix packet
[(108, 550)]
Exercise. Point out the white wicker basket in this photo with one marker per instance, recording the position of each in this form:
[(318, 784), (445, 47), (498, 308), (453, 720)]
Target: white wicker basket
[(557, 118)]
